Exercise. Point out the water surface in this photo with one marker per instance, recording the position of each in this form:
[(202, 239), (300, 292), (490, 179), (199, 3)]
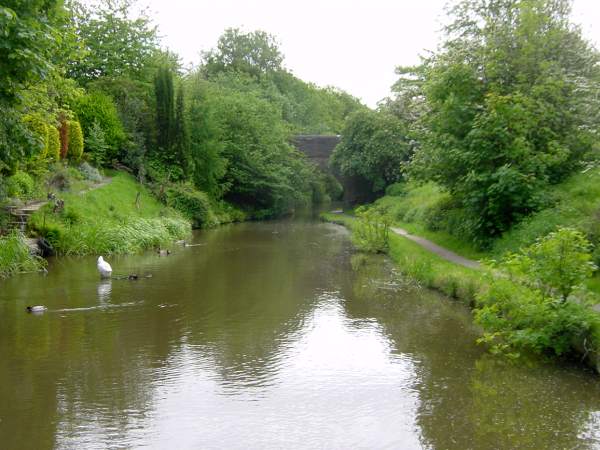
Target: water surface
[(267, 335)]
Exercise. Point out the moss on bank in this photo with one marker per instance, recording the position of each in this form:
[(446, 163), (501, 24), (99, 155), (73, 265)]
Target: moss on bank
[(119, 217)]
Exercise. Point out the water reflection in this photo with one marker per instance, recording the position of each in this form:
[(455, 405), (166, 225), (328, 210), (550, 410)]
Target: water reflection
[(267, 335), (104, 290)]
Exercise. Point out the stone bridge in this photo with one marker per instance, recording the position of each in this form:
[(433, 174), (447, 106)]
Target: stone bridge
[(318, 149)]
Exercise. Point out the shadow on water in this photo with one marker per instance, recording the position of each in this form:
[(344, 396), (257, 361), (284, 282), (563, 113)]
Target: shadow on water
[(267, 334)]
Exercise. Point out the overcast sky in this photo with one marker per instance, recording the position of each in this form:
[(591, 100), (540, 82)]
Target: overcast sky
[(354, 45)]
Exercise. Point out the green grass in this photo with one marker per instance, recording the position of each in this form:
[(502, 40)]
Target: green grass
[(109, 220), (575, 203), (416, 208), (15, 256)]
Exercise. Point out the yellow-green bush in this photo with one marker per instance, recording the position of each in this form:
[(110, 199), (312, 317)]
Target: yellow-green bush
[(75, 140), (53, 143)]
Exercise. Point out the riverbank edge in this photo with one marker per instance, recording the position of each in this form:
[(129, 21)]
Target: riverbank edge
[(431, 271)]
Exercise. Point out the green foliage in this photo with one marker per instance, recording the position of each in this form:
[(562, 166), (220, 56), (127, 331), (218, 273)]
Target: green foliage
[(573, 203), (371, 232), (53, 143), (252, 63), (20, 185), (263, 170), (516, 318), (75, 140), (535, 308), (193, 204), (15, 256), (39, 131), (181, 136), (165, 113), (206, 149), (109, 220), (255, 53), (508, 103), (95, 144), (98, 108), (555, 265), (16, 141), (333, 188), (27, 45), (374, 145), (116, 45)]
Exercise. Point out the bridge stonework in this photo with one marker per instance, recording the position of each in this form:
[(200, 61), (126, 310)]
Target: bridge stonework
[(318, 149)]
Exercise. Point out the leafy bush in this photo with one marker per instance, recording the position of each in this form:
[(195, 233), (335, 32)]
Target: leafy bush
[(371, 233), (20, 185), (193, 204), (97, 107), (95, 144), (75, 140), (555, 265), (39, 130), (534, 307)]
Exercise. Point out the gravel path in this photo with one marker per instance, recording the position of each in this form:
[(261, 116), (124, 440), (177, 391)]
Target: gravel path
[(440, 251)]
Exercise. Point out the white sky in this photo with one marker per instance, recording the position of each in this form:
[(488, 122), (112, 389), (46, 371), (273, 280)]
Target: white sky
[(351, 44)]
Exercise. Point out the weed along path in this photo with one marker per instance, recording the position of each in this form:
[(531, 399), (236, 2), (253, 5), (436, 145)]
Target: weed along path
[(438, 250)]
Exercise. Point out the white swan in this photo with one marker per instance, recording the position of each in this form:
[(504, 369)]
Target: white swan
[(104, 268)]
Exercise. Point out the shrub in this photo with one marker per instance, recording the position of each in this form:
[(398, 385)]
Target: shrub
[(97, 107), (534, 308), (75, 140), (193, 204), (555, 265), (19, 185), (95, 144), (371, 233), (53, 143), (517, 318)]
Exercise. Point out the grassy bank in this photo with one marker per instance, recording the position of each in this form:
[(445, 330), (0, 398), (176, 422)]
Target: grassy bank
[(427, 211), (530, 323), (15, 256), (425, 267), (119, 217)]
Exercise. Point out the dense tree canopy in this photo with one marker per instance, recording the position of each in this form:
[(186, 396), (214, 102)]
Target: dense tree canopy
[(507, 103), (374, 146)]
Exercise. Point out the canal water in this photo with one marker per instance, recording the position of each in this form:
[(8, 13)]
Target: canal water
[(267, 335)]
